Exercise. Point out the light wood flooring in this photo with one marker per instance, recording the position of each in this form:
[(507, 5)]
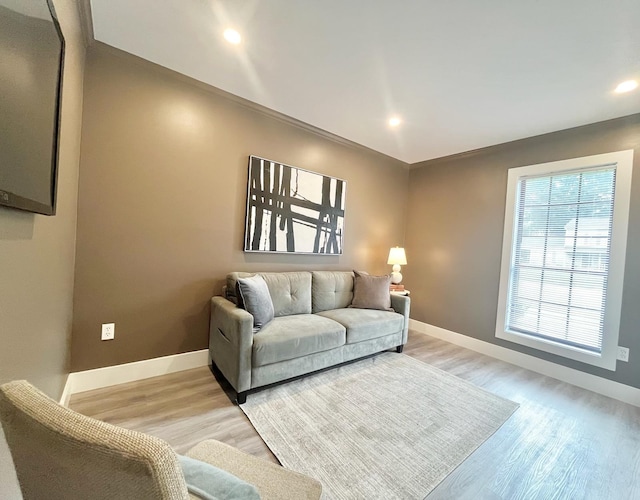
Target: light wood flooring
[(562, 443)]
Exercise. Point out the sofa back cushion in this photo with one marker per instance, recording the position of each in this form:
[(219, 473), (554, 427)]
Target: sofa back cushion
[(290, 292), (230, 289), (331, 290)]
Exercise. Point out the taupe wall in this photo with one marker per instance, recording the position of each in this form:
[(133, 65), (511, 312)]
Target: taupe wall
[(37, 260), (162, 204), (37, 252), (454, 235)]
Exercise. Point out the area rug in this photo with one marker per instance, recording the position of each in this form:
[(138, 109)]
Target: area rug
[(387, 427)]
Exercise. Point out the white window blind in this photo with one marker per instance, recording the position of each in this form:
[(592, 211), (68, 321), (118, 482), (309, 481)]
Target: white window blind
[(563, 256), (560, 256)]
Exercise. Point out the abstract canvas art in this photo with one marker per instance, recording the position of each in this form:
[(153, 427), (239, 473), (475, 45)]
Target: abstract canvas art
[(292, 210)]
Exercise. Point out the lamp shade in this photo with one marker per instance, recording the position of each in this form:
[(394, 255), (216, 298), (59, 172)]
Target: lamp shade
[(397, 256)]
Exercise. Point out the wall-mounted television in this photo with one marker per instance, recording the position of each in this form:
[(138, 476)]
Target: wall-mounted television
[(31, 62)]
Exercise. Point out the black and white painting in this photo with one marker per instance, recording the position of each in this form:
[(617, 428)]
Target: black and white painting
[(293, 210)]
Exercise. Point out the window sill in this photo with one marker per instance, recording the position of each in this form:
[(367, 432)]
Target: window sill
[(607, 359)]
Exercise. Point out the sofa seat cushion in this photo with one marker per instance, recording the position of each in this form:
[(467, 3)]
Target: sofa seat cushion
[(290, 337), (365, 324)]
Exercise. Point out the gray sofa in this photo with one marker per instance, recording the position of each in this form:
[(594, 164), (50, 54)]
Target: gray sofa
[(313, 328)]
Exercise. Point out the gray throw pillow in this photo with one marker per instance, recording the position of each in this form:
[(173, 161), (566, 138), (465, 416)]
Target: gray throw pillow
[(210, 483), (253, 294), (371, 292)]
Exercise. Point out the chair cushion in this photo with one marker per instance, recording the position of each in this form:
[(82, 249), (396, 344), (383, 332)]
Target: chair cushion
[(331, 290), (210, 483), (365, 324), (371, 292), (295, 336), (253, 295)]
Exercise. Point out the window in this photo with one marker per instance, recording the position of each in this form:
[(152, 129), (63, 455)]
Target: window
[(563, 256)]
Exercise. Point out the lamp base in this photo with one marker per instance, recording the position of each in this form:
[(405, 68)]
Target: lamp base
[(396, 277)]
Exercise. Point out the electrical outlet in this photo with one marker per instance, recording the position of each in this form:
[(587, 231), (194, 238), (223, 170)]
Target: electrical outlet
[(623, 353), (108, 331)]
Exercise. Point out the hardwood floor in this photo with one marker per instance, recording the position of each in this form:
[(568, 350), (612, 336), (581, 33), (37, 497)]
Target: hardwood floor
[(562, 443)]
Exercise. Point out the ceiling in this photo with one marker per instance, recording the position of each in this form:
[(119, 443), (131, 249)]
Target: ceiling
[(461, 74)]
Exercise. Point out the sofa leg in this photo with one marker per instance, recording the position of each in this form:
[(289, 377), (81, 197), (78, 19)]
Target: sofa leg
[(241, 397), (400, 348)]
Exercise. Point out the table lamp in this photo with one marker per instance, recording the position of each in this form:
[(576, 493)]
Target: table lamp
[(397, 258)]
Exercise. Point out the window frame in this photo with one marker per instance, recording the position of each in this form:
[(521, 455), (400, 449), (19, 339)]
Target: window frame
[(623, 161)]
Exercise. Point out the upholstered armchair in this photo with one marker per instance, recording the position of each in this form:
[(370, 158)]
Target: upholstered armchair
[(61, 454)]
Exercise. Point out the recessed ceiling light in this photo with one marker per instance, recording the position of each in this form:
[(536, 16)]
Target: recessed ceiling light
[(627, 86), (394, 121), (232, 36)]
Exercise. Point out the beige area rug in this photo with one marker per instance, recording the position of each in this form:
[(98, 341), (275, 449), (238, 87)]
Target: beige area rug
[(385, 427)]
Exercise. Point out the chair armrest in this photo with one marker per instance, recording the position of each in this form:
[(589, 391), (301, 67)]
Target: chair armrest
[(402, 305), (272, 480), (231, 342)]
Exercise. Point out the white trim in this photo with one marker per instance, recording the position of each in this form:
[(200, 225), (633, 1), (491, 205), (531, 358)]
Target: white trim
[(623, 161), (606, 387), (128, 372), (66, 393)]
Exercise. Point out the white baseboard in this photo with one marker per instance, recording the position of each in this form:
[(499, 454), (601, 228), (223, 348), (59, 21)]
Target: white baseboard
[(119, 374), (606, 387)]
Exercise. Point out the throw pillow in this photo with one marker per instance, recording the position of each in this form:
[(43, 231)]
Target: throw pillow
[(371, 292), (253, 294), (208, 482)]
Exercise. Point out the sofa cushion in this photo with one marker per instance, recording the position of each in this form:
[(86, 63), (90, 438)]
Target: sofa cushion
[(331, 290), (290, 292), (253, 295), (371, 292), (290, 337), (230, 289), (365, 324)]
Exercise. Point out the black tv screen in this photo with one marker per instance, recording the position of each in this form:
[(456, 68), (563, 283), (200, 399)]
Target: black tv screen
[(31, 59)]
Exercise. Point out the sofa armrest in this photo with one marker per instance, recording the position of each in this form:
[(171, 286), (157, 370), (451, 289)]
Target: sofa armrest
[(402, 305), (231, 342)]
